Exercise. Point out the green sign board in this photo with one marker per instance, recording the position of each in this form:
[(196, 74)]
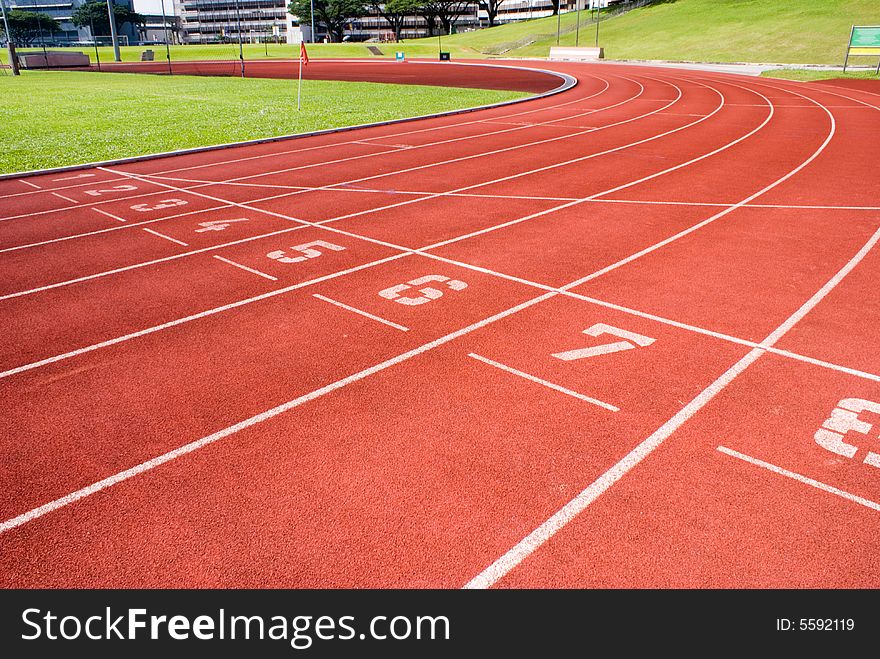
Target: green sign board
[(865, 37), (864, 41)]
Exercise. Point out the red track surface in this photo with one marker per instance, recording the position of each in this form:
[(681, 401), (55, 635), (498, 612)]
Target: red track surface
[(182, 409)]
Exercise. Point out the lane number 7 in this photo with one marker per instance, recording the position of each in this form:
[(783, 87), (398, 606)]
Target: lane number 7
[(631, 341)]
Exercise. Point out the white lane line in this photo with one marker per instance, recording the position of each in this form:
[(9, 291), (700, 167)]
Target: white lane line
[(143, 264), (545, 531), (162, 235), (102, 212), (192, 317), (56, 194), (724, 204), (109, 229), (715, 217), (254, 420), (71, 178), (525, 547), (139, 177), (244, 267), (289, 152), (822, 292), (361, 312), (549, 385), (33, 185), (801, 479), (150, 178)]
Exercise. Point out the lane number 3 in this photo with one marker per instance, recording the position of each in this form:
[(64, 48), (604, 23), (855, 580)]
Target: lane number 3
[(845, 419)]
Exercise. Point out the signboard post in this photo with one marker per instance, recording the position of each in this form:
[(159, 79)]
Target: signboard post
[(864, 41)]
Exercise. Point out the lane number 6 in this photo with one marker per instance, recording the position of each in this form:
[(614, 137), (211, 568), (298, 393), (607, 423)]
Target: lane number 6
[(428, 293)]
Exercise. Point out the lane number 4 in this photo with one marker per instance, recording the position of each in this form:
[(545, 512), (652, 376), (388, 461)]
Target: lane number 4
[(218, 225), (631, 340)]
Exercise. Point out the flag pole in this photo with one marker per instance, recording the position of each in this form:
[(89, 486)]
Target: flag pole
[(299, 86)]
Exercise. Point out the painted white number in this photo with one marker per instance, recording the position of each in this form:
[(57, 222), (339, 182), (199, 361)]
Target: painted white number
[(427, 293), (115, 188), (844, 419), (307, 251), (70, 178), (218, 225), (632, 340), (163, 203)]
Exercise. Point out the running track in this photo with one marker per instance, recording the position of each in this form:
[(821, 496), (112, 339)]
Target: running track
[(641, 350)]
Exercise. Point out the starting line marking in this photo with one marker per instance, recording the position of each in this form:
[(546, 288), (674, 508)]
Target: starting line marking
[(61, 196), (244, 267), (33, 185), (110, 481), (361, 312), (111, 215), (162, 235), (800, 478), (555, 387)]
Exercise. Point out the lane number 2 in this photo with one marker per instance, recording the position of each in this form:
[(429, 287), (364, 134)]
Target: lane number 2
[(163, 203), (631, 340), (115, 188), (845, 419), (307, 251), (428, 293)]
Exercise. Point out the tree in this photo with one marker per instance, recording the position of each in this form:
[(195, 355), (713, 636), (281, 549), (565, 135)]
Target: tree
[(26, 26), (94, 15), (491, 8), (395, 12), (332, 14), (445, 11)]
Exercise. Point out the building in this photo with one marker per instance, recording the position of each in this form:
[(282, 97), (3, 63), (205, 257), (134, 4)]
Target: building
[(218, 21), (521, 10), (62, 11)]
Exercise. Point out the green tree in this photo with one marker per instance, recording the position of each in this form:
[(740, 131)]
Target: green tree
[(491, 8), (332, 14), (26, 26), (446, 12), (395, 12), (94, 14)]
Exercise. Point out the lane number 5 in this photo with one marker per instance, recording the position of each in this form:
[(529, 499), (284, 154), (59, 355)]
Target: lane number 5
[(307, 251)]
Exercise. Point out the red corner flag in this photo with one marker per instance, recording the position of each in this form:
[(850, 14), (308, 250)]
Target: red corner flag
[(303, 55)]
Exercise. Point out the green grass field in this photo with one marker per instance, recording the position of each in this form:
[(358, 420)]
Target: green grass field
[(808, 74), (781, 31), (784, 31), (53, 118)]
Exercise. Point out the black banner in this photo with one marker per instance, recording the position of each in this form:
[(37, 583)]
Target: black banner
[(441, 623)]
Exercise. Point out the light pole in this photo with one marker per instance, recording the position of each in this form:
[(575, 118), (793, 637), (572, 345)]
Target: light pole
[(113, 36), (558, 19), (240, 47), (312, 14), (165, 30), (13, 63)]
